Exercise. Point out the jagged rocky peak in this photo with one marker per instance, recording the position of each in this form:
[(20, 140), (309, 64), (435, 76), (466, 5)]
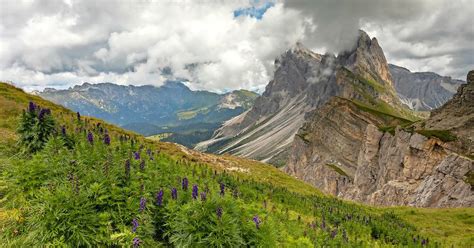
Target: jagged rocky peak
[(360, 153), (293, 68), (367, 59)]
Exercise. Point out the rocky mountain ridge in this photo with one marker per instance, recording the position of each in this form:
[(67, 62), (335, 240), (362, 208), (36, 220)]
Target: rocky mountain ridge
[(353, 152), (304, 81), (150, 110), (423, 91)]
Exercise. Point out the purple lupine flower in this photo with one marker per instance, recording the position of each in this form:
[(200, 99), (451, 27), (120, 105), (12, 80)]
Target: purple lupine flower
[(148, 152), (185, 183), (159, 198), (423, 242), (219, 212), (142, 204), (78, 116), (90, 137), (63, 130), (203, 196), (142, 165), (127, 168), (107, 139), (31, 107), (195, 191), (257, 221), (42, 113), (137, 155), (334, 233), (134, 225), (174, 193), (136, 242), (222, 189)]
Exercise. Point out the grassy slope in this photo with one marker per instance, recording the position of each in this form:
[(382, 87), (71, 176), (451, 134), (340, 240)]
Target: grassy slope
[(448, 225)]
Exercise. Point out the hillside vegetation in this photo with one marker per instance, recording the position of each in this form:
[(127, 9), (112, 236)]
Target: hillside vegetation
[(91, 184)]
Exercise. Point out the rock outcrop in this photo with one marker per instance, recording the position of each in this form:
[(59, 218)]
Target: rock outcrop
[(346, 150)]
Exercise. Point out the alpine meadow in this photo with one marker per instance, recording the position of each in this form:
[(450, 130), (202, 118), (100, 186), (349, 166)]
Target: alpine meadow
[(268, 123)]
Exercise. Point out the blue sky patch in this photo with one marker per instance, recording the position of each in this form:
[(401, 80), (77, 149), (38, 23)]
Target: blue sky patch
[(254, 11)]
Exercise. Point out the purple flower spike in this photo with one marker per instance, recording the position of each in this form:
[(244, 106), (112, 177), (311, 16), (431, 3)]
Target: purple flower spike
[(203, 196), (142, 165), (174, 193), (219, 212), (78, 116), (137, 155), (257, 221), (42, 113), (136, 242), (134, 225), (90, 137), (142, 204), (107, 139), (159, 198), (31, 107), (185, 184), (148, 152), (127, 168), (195, 191), (222, 189), (63, 130)]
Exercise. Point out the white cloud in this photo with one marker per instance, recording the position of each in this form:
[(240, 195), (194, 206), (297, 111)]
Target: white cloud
[(61, 43)]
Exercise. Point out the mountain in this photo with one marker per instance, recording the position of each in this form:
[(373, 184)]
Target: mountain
[(423, 91), (359, 153), (148, 109), (304, 81), (119, 194)]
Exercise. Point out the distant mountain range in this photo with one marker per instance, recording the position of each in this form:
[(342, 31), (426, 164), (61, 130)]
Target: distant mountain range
[(172, 108), (339, 124), (423, 91)]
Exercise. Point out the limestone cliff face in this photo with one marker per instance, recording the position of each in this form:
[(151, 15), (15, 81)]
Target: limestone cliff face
[(303, 81), (342, 150)]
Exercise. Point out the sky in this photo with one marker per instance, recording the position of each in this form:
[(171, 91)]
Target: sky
[(218, 45)]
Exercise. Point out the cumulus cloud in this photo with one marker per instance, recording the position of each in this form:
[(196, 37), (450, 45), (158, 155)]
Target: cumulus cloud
[(216, 45), (423, 35)]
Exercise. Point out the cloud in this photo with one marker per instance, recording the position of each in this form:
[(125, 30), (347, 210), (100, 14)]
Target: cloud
[(423, 35), (216, 45), (135, 42)]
